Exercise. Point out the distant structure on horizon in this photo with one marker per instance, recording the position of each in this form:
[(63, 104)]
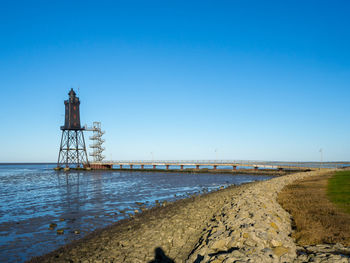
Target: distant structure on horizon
[(72, 149)]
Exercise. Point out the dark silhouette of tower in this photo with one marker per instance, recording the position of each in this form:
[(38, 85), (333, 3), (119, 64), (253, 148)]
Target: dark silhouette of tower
[(72, 149)]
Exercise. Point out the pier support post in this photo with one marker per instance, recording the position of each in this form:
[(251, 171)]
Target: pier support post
[(131, 166), (234, 167), (121, 166), (214, 167), (181, 167), (142, 166), (197, 167), (154, 166), (167, 166)]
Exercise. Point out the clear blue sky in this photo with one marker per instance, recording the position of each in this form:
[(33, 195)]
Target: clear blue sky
[(266, 80)]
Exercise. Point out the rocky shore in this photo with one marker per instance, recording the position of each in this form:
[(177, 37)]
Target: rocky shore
[(237, 224), (255, 228)]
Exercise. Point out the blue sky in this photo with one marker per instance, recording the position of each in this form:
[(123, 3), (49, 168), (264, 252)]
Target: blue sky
[(261, 80)]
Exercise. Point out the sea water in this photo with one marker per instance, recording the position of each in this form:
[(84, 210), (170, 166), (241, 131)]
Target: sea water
[(34, 196)]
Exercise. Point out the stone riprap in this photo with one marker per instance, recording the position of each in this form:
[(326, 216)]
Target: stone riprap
[(323, 253), (237, 224), (253, 227)]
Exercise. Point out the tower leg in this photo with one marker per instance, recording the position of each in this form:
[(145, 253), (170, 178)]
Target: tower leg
[(60, 152), (72, 149), (68, 148), (77, 148)]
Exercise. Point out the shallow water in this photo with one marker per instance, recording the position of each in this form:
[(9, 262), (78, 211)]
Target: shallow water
[(33, 196)]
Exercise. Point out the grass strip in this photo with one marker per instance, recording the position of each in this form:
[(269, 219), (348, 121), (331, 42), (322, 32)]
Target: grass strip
[(338, 190), (316, 220)]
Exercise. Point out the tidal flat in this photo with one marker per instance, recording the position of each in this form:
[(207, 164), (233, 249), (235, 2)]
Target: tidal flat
[(41, 210)]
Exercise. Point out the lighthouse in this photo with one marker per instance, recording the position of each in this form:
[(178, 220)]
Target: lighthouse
[(72, 150)]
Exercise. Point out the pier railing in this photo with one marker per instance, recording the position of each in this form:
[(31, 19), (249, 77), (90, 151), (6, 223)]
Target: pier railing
[(215, 163)]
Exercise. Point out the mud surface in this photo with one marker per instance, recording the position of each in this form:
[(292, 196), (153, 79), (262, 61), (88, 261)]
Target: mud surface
[(174, 229), (41, 210)]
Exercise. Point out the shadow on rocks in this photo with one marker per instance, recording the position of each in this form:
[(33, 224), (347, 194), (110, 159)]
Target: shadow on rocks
[(160, 257)]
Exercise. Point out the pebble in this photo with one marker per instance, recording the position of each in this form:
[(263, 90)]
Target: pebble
[(260, 230), (52, 226)]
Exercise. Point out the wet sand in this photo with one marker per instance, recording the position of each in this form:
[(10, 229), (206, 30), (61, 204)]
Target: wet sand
[(39, 203), (175, 229)]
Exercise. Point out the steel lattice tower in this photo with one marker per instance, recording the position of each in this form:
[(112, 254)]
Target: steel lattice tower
[(97, 140), (72, 149)]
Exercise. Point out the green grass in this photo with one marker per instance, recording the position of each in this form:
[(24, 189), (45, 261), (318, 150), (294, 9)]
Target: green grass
[(339, 190)]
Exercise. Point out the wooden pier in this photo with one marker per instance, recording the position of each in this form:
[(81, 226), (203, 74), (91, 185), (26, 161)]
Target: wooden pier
[(214, 164)]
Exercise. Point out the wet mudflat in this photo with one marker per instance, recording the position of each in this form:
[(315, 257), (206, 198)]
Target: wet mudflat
[(34, 196)]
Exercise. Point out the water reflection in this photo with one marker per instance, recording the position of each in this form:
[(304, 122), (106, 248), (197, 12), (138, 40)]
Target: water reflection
[(33, 197)]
